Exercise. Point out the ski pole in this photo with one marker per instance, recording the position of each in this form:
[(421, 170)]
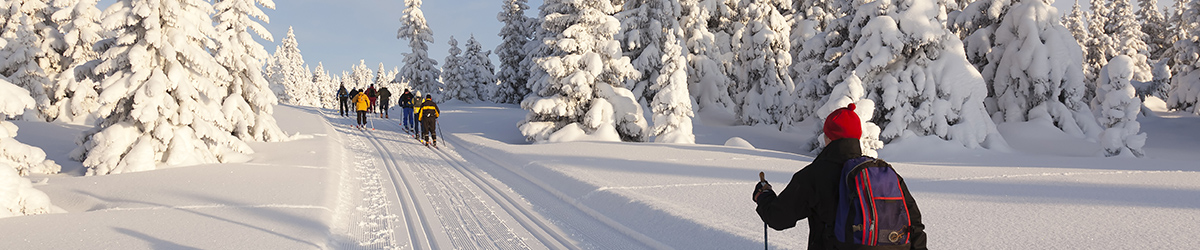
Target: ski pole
[(762, 180)]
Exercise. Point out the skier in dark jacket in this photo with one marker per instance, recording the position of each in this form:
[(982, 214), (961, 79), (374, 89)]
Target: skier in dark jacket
[(371, 96), (813, 191), (428, 115), (343, 99), (385, 96), (406, 102)]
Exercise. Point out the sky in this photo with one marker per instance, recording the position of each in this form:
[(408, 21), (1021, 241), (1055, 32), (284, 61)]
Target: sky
[(340, 33)]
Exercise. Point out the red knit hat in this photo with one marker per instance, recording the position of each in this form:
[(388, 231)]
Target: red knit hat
[(843, 123)]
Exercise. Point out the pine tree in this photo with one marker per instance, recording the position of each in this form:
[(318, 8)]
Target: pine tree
[(456, 87), (707, 82), (328, 87), (578, 78), (516, 33), (419, 70), (1119, 108), (1127, 34), (1185, 85), (21, 67), (289, 77), (672, 105), (18, 159), (1028, 58), (644, 25), (764, 90), (1074, 23), (47, 47), (915, 73), (361, 77), (161, 103), (1154, 26), (79, 22), (1100, 47), (478, 71), (250, 104)]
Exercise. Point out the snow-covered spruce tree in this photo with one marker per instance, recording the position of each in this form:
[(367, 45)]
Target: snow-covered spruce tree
[(419, 71), (1100, 46), (477, 71), (672, 105), (577, 81), (361, 77), (1074, 23), (645, 24), (22, 159), (818, 42), (327, 86), (456, 87), (160, 100), (381, 77), (250, 104), (48, 47), (1185, 85), (1126, 32), (707, 82), (1154, 26), (765, 90), (289, 77), (17, 195), (79, 23), (20, 66), (1118, 108), (916, 74), (516, 33), (1032, 63)]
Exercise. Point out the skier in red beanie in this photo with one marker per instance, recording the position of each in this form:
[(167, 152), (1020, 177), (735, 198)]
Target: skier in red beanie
[(813, 191)]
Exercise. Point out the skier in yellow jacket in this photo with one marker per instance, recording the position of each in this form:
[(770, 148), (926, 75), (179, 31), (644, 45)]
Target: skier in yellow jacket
[(428, 115), (362, 103)]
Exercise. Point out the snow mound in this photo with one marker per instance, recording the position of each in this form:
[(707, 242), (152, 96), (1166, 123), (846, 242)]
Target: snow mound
[(738, 142), (1041, 137)]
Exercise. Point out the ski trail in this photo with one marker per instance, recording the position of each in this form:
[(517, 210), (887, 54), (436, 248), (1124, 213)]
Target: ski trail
[(468, 216), (363, 217)]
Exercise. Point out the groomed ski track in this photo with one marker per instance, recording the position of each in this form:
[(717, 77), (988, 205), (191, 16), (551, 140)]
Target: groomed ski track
[(403, 195)]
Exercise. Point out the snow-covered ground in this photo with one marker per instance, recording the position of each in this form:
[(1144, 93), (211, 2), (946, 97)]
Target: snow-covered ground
[(337, 187)]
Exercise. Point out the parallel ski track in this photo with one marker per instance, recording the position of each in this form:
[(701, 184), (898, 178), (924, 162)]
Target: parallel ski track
[(649, 243), (528, 219), (414, 216)]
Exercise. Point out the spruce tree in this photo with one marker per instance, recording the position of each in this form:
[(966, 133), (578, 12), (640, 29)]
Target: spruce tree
[(250, 104), (79, 22), (161, 103), (707, 82), (516, 33), (764, 91), (289, 78), (477, 70), (1119, 108), (578, 82), (1154, 26), (419, 71), (1185, 85), (456, 87)]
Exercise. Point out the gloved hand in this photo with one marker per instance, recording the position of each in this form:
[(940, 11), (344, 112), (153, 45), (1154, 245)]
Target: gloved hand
[(763, 192)]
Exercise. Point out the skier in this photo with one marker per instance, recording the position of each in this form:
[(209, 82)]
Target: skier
[(342, 95), (384, 98), (362, 104), (813, 191), (428, 115), (371, 94), (406, 102)]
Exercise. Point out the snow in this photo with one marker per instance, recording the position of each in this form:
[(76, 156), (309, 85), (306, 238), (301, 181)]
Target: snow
[(342, 188)]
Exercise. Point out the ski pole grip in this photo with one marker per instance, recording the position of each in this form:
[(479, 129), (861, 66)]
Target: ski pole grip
[(762, 177)]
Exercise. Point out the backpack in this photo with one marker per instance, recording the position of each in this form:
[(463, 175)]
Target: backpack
[(871, 207)]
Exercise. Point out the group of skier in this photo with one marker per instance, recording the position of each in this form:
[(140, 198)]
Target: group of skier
[(420, 115)]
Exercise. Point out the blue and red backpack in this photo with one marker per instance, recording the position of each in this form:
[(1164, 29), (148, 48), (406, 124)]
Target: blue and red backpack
[(871, 208)]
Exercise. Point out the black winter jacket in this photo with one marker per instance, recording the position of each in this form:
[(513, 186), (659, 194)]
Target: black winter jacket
[(812, 195)]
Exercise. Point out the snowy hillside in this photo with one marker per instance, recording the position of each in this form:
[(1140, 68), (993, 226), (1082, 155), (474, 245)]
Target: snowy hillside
[(337, 187)]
